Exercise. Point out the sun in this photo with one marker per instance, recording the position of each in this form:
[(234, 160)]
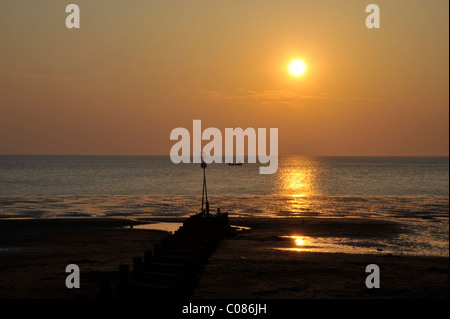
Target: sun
[(297, 68)]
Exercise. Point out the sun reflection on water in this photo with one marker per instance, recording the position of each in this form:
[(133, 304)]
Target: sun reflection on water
[(295, 182), (301, 243), (298, 181)]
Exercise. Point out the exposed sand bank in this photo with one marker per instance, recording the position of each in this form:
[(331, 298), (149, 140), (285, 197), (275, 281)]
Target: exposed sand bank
[(38, 251), (34, 254), (248, 266)]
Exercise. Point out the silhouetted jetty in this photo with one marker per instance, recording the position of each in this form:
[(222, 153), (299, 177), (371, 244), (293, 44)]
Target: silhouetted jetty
[(173, 268)]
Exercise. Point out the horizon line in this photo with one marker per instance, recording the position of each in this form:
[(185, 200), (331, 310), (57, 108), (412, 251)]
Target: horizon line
[(168, 155)]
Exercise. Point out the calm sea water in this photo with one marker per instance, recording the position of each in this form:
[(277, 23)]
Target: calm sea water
[(412, 191), (116, 175)]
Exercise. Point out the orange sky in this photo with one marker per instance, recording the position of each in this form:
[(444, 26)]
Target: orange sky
[(138, 69)]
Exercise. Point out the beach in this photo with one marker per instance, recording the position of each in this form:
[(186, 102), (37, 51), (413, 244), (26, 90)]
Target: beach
[(258, 266), (260, 260), (32, 266)]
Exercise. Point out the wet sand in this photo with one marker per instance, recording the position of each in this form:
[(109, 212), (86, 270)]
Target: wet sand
[(254, 264), (251, 264), (38, 251)]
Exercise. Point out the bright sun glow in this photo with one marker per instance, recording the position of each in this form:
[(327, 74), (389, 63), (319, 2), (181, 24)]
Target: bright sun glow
[(297, 68), (299, 241)]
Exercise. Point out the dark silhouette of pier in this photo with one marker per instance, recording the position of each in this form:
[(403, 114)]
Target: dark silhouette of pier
[(173, 268)]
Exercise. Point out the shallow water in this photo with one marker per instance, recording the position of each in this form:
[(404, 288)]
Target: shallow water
[(410, 244), (165, 226), (423, 219), (422, 208)]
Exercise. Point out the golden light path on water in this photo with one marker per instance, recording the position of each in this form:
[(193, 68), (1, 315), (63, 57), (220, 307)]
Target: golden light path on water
[(298, 181)]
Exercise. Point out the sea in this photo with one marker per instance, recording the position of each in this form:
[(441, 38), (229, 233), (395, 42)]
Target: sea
[(413, 191)]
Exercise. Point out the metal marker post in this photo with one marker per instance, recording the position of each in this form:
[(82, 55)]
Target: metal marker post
[(204, 192)]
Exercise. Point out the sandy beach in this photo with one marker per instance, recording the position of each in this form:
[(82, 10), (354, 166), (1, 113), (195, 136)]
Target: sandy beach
[(260, 261), (258, 266), (38, 251)]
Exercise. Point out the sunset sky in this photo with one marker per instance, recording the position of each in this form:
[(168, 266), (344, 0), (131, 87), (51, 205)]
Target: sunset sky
[(136, 69)]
